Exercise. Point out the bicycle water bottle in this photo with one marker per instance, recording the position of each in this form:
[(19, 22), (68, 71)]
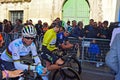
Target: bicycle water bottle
[(39, 69)]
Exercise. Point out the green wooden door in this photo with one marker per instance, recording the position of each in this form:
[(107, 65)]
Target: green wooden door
[(76, 10)]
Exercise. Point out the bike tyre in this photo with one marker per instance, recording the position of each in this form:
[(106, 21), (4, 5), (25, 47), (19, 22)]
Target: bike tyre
[(74, 64), (61, 74)]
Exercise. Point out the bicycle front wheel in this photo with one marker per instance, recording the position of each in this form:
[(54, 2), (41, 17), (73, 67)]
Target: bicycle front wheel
[(74, 64), (66, 73)]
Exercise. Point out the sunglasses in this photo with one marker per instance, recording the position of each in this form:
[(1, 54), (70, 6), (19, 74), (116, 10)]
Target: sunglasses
[(29, 38)]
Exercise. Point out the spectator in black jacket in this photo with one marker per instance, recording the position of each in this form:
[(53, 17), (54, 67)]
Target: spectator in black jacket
[(89, 29), (78, 32), (104, 32), (38, 27)]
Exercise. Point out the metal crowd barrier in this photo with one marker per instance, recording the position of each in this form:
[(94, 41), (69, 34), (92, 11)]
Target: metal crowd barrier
[(103, 45), (85, 56)]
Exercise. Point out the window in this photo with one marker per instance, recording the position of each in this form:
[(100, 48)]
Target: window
[(16, 15)]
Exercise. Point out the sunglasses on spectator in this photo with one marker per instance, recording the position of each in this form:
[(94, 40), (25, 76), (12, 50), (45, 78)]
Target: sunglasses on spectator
[(29, 38)]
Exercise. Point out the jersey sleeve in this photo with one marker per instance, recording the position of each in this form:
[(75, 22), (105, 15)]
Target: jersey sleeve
[(15, 50), (34, 54), (16, 58)]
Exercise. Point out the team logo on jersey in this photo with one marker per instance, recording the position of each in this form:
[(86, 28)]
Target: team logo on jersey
[(15, 54), (16, 44)]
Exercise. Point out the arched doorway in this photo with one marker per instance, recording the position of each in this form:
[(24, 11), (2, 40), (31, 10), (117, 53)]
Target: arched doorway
[(76, 10)]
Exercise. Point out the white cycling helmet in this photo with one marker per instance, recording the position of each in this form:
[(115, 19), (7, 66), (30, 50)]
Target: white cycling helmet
[(29, 31)]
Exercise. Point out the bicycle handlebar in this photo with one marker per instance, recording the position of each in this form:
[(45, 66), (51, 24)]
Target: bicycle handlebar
[(30, 75)]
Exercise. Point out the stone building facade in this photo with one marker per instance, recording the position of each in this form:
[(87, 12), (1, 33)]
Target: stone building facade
[(48, 10)]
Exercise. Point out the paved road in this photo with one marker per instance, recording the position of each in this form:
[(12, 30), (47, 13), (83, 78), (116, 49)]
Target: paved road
[(91, 72), (96, 75)]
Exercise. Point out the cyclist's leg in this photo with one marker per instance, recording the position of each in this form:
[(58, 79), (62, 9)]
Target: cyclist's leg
[(66, 45), (55, 65), (59, 61), (53, 61)]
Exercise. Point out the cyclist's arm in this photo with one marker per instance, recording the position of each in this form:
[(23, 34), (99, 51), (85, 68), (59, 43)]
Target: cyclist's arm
[(35, 55), (12, 74), (2, 75), (16, 59)]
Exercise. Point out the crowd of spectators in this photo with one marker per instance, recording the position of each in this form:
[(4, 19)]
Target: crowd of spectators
[(100, 30), (76, 29)]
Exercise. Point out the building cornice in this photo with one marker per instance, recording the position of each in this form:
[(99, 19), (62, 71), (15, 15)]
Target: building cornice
[(14, 1)]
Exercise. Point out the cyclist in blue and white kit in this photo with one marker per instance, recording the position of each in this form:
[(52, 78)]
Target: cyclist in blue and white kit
[(11, 57)]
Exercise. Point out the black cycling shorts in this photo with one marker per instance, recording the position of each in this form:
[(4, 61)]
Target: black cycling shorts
[(48, 55)]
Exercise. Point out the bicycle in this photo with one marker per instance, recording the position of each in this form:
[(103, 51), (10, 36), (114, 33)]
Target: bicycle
[(65, 73), (71, 69), (30, 75), (70, 61), (70, 58), (60, 74)]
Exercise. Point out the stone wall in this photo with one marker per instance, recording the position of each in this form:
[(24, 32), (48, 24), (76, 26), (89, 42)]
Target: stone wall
[(48, 10)]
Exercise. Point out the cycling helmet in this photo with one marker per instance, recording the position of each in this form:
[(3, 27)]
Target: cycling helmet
[(29, 31)]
